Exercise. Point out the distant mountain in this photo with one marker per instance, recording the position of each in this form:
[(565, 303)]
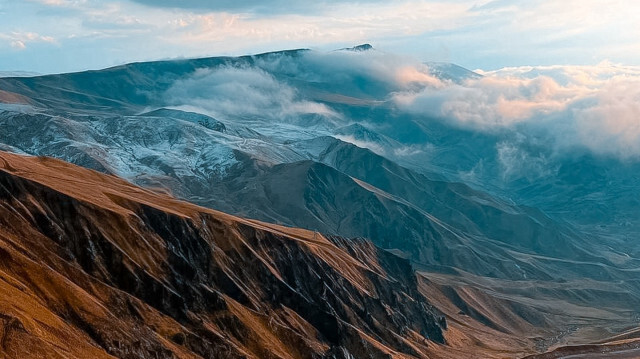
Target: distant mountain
[(18, 74), (322, 184), (363, 47), (452, 72)]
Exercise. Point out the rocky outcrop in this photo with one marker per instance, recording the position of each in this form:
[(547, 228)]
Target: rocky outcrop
[(95, 267)]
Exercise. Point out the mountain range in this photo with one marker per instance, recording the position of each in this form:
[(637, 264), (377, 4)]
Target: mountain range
[(541, 251)]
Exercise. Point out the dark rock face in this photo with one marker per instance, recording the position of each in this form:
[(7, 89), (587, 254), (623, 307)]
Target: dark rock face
[(176, 280)]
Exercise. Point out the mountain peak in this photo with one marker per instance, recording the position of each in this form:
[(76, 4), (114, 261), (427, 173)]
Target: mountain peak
[(363, 47)]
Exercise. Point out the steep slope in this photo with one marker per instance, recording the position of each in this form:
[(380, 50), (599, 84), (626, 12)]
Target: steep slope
[(95, 267), (319, 197)]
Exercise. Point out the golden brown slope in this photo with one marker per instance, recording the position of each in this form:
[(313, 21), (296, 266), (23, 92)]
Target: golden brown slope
[(92, 266)]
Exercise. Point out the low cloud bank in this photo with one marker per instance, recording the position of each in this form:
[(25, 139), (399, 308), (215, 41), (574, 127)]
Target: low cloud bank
[(597, 107), (269, 88), (591, 107), (241, 92)]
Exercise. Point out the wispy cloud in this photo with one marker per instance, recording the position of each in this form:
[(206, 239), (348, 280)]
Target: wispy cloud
[(20, 40), (60, 3), (230, 92)]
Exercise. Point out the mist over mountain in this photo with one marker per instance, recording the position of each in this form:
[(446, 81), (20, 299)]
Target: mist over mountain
[(519, 185)]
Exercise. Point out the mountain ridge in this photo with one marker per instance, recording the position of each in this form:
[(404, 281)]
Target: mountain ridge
[(179, 259)]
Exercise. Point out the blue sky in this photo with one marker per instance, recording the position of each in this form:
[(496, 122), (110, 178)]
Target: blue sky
[(69, 35)]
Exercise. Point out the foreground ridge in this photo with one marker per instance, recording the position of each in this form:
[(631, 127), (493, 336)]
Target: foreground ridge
[(93, 266)]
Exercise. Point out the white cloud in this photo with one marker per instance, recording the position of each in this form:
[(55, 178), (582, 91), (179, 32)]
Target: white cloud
[(229, 92), (254, 91), (611, 124), (20, 40), (387, 72), (596, 107), (516, 162), (17, 44), (340, 23), (62, 3), (592, 107)]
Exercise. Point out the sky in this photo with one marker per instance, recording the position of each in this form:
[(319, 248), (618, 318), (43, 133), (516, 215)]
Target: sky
[(52, 36)]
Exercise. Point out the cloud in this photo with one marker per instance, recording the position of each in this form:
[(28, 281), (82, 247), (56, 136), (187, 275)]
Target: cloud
[(269, 6), (261, 89), (60, 3), (473, 33), (559, 108), (517, 161), (489, 101), (18, 44), (593, 107), (20, 40), (340, 24), (375, 73), (611, 124), (111, 29), (229, 91)]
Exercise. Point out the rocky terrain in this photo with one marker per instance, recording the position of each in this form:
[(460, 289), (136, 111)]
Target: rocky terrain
[(95, 267), (523, 249)]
